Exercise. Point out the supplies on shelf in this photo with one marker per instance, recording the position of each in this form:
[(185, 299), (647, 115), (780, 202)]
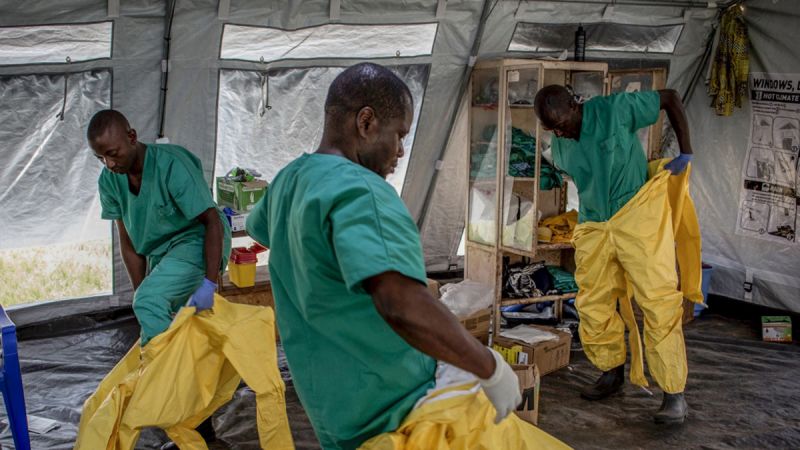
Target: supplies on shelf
[(557, 229), (521, 159), (528, 280), (523, 280), (467, 297), (563, 281)]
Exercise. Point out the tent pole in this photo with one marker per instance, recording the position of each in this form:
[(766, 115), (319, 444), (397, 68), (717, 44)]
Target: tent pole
[(461, 90), (165, 69), (679, 4)]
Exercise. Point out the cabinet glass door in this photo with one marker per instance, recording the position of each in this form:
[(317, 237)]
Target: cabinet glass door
[(484, 137), (519, 213)]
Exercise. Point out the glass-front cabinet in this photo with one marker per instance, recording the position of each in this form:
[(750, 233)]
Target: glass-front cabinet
[(513, 184)]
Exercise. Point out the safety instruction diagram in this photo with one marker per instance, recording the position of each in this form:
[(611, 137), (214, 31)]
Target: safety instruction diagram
[(771, 178)]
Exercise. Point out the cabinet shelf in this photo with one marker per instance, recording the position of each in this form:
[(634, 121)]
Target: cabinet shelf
[(545, 247), (531, 300)]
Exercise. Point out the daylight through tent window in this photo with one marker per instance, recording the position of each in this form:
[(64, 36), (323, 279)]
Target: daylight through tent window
[(55, 44), (266, 129), (605, 36), (53, 243)]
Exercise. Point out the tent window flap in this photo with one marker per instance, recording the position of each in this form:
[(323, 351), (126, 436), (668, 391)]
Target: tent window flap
[(605, 36), (259, 44), (55, 44)]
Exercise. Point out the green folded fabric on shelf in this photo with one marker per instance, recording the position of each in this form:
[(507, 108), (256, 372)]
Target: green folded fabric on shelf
[(521, 159), (563, 280)]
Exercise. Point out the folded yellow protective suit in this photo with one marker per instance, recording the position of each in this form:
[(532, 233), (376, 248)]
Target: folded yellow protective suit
[(462, 418), (634, 255), (186, 373), (558, 229)]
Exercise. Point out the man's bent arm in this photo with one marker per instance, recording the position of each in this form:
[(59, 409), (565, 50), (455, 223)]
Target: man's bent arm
[(426, 324), (135, 264), (671, 103), (212, 246)]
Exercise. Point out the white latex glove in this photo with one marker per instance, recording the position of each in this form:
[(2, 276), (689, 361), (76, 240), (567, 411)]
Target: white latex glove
[(502, 388)]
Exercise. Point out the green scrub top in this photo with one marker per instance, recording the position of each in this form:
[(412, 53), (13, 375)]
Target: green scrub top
[(331, 224), (162, 217), (607, 163)]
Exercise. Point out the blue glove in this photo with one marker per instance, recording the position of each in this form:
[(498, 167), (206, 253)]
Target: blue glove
[(678, 165), (203, 297)]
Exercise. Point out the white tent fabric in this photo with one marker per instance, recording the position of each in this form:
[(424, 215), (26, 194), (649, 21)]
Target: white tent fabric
[(201, 84), (721, 143), (266, 120)]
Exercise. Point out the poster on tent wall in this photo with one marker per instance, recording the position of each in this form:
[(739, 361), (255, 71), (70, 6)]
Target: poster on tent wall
[(771, 178)]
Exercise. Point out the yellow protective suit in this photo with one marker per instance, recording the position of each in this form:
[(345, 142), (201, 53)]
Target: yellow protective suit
[(634, 254), (461, 418), (558, 229), (186, 373)]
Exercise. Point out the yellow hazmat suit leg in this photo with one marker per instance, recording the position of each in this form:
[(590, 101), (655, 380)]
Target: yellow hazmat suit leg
[(184, 374), (601, 282), (639, 242)]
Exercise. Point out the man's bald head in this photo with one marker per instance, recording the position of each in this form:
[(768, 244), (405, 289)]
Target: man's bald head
[(105, 120), (558, 110), (367, 84), (368, 112)]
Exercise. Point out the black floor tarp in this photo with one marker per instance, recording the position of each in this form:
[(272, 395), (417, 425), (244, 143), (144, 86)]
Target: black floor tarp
[(743, 393)]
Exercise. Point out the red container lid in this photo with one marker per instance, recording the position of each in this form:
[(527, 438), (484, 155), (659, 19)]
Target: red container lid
[(242, 255)]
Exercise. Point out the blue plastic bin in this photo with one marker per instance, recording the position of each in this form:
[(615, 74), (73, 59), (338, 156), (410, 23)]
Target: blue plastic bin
[(707, 270)]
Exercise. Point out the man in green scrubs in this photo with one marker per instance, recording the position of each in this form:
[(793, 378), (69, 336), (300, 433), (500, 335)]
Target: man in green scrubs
[(173, 238), (360, 329), (597, 146)]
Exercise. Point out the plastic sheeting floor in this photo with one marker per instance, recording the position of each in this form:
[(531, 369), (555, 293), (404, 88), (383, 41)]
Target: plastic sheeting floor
[(743, 393)]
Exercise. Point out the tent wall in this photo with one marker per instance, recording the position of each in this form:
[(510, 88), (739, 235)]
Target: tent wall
[(136, 72), (721, 147), (192, 102)]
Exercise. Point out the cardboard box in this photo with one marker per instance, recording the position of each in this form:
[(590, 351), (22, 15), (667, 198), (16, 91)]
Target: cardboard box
[(548, 356), (434, 286), (237, 221), (776, 328), (241, 196), (529, 386), (478, 324)]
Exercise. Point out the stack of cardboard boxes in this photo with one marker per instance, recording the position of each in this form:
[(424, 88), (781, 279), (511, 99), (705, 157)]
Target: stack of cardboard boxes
[(528, 361), (239, 197)]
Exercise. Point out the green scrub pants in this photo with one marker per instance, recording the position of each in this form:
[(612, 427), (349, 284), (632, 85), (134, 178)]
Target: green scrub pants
[(163, 292)]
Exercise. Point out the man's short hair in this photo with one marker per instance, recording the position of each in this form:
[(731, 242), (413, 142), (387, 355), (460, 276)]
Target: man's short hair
[(368, 84), (551, 101), (102, 120)]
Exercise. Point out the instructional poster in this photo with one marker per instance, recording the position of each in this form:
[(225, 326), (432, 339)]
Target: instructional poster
[(771, 177)]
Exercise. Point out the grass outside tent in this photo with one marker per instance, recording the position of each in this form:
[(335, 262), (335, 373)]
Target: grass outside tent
[(29, 275)]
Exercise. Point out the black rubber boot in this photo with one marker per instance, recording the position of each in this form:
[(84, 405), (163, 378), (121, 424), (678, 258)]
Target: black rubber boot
[(608, 383), (206, 430), (673, 409)]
